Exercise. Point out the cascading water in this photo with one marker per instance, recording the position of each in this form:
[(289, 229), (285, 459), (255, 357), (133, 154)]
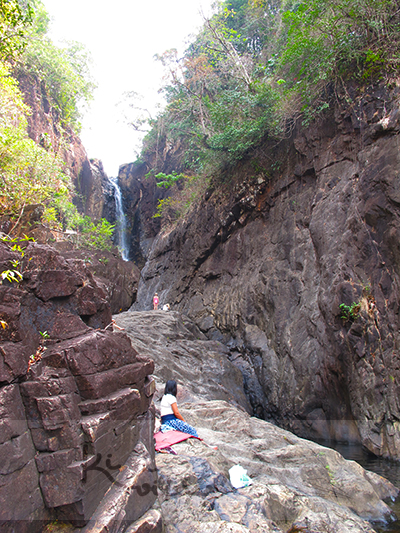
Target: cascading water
[(121, 221)]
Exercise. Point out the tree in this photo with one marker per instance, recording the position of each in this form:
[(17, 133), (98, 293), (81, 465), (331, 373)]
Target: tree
[(219, 100), (64, 71), (328, 40), (28, 173), (257, 66), (15, 18)]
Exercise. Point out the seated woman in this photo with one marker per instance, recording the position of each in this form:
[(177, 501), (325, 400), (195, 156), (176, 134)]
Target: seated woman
[(171, 419)]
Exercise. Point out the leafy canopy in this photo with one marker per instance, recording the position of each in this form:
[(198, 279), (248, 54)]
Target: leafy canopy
[(256, 66), (257, 63), (29, 173), (64, 71), (15, 18)]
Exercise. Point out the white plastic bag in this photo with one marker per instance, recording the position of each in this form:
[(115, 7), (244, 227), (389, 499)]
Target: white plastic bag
[(239, 478)]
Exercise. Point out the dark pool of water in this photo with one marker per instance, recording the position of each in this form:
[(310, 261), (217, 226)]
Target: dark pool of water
[(388, 469)]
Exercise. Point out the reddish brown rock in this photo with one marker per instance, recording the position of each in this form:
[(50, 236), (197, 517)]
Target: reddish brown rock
[(94, 386), (74, 401), (151, 522), (119, 279), (96, 351), (44, 128), (12, 415)]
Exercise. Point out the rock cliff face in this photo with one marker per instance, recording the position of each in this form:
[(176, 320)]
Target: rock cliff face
[(76, 439), (265, 263)]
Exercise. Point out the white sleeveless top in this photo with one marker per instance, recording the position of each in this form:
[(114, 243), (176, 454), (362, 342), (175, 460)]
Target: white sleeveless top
[(166, 402)]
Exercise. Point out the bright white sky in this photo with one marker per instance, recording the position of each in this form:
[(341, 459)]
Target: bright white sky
[(123, 36)]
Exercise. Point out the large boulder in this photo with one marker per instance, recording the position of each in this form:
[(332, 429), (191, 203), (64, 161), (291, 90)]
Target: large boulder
[(296, 485), (119, 279), (185, 354)]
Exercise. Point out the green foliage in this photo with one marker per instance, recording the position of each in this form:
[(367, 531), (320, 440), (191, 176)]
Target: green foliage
[(14, 274), (167, 180), (255, 65), (331, 475), (28, 173), (221, 101), (15, 18), (164, 204), (182, 198), (11, 275), (327, 41), (64, 71), (8, 240), (67, 216), (350, 312), (97, 236), (240, 119), (63, 215)]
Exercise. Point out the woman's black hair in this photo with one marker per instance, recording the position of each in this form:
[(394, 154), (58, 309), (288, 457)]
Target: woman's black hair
[(171, 387)]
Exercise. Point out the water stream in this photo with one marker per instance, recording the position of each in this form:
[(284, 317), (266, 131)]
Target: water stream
[(388, 469), (121, 221)]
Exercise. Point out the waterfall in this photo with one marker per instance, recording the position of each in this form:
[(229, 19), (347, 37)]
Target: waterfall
[(121, 221)]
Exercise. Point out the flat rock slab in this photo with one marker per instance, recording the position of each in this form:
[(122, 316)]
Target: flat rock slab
[(183, 353), (295, 483)]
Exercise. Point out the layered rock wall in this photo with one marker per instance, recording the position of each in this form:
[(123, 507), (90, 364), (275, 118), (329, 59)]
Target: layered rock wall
[(140, 197), (264, 264), (76, 439)]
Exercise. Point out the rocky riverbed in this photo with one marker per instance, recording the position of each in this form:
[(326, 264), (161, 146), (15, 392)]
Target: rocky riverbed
[(297, 485)]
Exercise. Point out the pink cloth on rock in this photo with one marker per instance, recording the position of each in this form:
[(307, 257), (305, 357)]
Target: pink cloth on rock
[(164, 440)]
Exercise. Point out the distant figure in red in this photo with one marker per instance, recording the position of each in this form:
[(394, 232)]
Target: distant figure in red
[(155, 302)]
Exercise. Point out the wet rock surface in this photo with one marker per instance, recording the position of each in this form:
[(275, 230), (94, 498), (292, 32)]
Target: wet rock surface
[(76, 424), (263, 266), (140, 195), (296, 485)]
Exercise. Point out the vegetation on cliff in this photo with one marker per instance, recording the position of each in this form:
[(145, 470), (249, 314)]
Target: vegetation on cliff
[(15, 18), (258, 66), (31, 173), (64, 71)]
